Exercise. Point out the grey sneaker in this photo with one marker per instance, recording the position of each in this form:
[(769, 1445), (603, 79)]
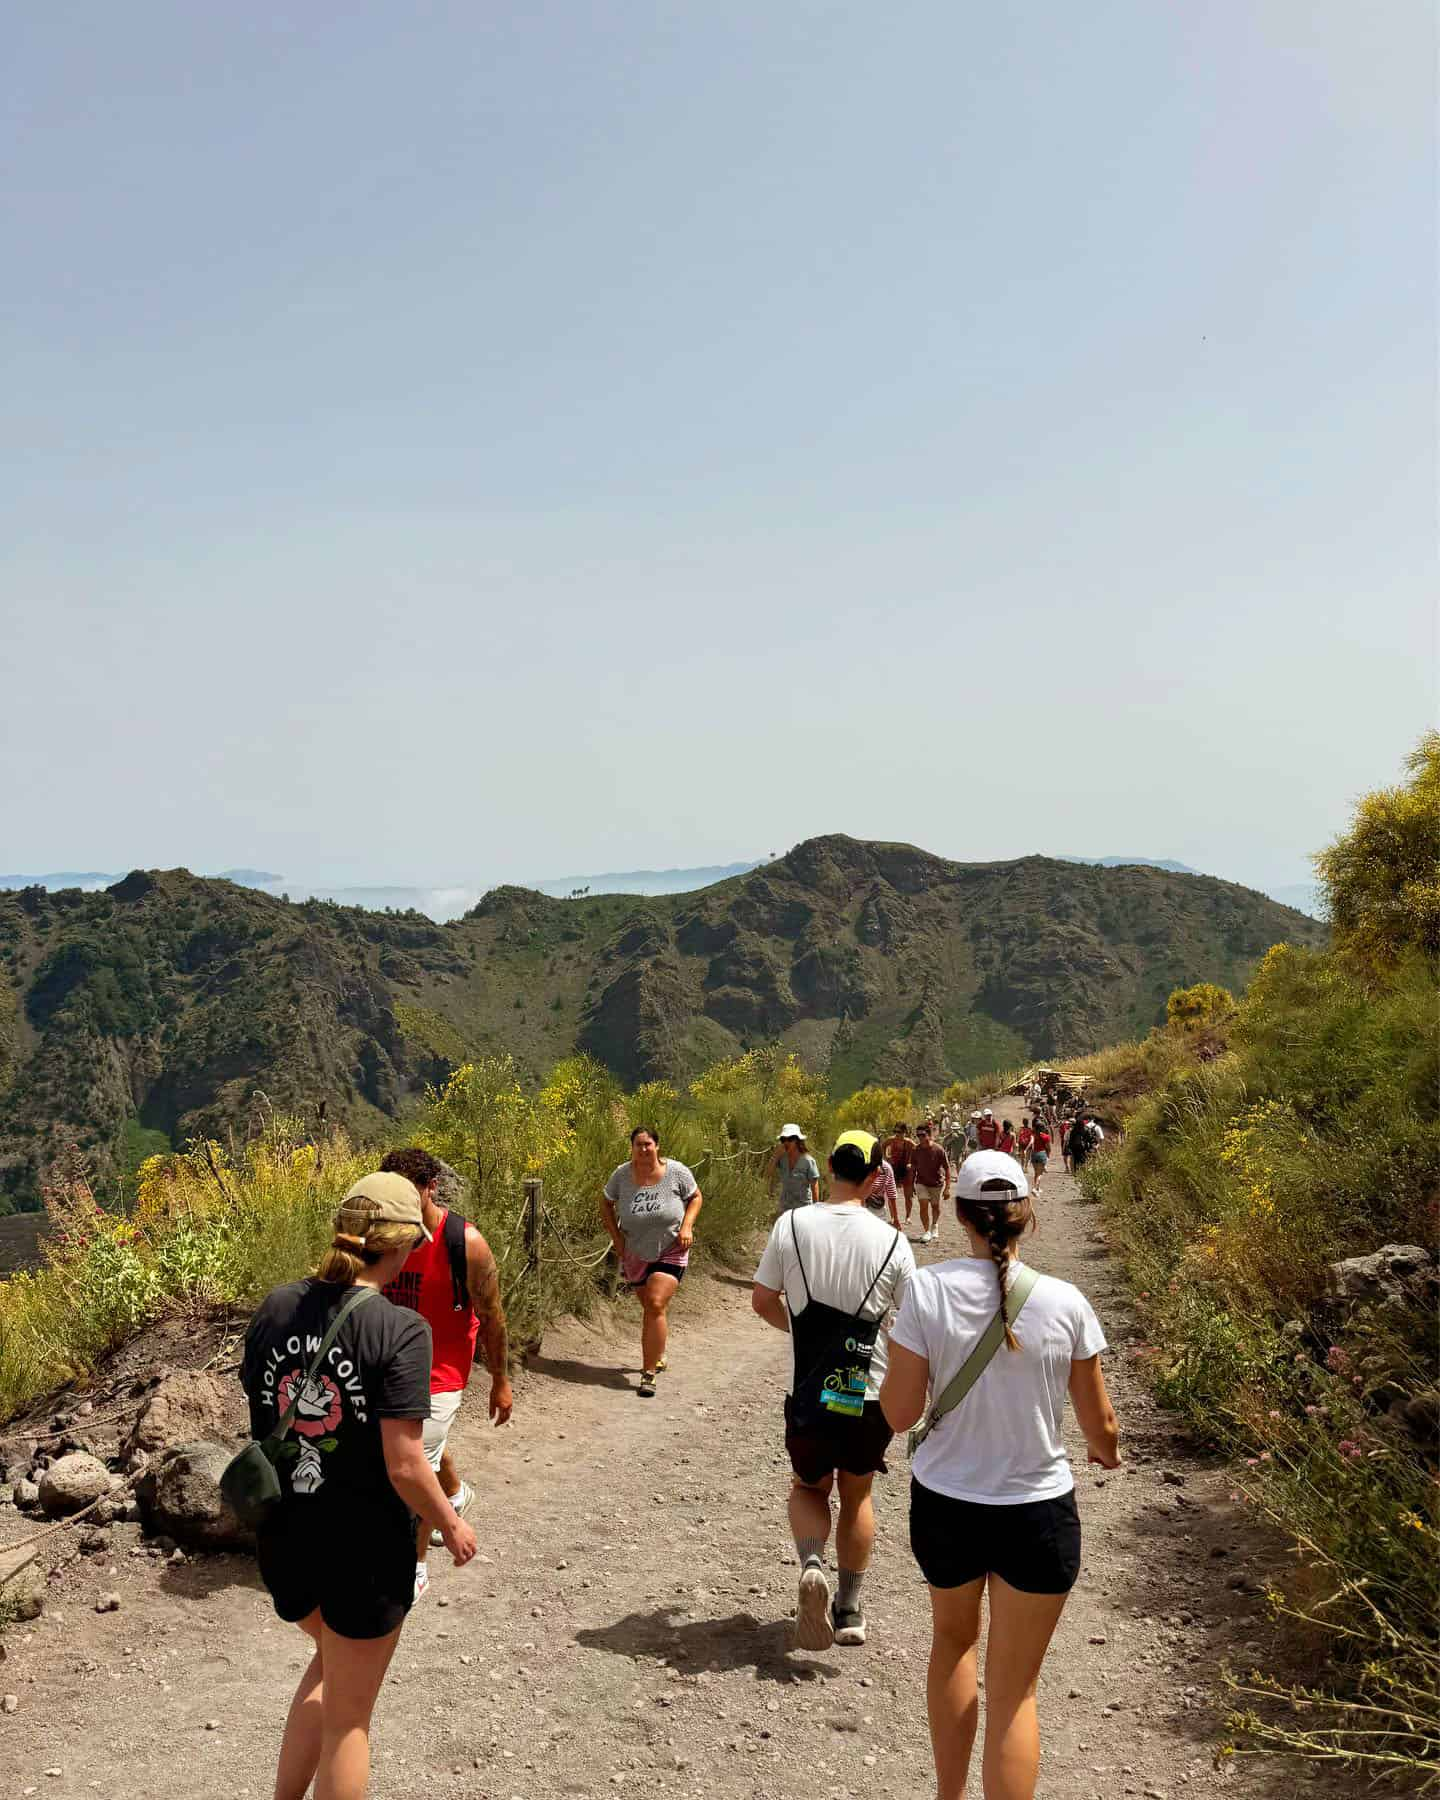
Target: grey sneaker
[(813, 1630), (849, 1624)]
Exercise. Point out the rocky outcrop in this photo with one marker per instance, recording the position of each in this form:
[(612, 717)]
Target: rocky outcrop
[(184, 1406), (1394, 1275)]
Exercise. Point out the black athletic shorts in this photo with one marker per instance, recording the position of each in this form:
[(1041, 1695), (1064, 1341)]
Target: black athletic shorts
[(357, 1566), (660, 1268), (1034, 1547), (856, 1446)]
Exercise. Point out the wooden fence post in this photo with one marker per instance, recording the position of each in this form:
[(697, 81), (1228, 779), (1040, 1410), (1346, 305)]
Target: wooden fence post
[(533, 1190)]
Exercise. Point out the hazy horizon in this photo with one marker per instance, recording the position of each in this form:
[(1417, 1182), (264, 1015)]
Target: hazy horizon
[(438, 437)]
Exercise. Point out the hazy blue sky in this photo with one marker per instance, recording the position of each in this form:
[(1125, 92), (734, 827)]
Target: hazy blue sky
[(455, 441)]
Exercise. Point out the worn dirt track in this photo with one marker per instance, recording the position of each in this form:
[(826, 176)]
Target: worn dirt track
[(626, 1627)]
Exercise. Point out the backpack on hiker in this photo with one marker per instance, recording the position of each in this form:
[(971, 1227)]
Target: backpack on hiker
[(834, 1349), (453, 1232)]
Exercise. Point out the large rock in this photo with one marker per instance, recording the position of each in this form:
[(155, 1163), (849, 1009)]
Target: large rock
[(22, 1586), (1391, 1275), (72, 1482), (184, 1407), (180, 1496)]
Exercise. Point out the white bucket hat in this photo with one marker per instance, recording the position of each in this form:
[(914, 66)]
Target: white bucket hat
[(786, 1131)]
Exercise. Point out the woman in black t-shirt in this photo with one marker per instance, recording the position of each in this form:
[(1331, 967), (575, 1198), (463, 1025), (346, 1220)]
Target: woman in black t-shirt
[(337, 1552)]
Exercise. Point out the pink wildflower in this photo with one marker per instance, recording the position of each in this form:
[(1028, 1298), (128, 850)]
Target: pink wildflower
[(1337, 1361)]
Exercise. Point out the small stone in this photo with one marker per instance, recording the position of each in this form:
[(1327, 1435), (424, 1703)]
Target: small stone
[(108, 1603), (1098, 1637), (212, 1724), (176, 1557), (9, 1703), (869, 1761), (1173, 1476)]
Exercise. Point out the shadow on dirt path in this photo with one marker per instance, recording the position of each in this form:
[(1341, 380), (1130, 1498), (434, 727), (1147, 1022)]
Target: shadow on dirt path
[(624, 1628)]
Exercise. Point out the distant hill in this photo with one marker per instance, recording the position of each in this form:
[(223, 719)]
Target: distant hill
[(1131, 862), (164, 1006)]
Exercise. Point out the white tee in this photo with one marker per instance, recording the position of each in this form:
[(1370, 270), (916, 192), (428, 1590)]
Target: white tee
[(1002, 1445), (842, 1246)]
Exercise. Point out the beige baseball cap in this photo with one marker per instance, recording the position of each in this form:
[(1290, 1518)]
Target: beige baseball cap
[(395, 1198)]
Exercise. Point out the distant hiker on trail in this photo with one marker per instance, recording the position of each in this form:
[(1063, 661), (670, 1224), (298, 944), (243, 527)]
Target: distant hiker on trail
[(452, 1282), (796, 1168), (987, 1131), (1081, 1141), (1024, 1141), (900, 1154), (883, 1194), (1039, 1155), (996, 1346), (932, 1181), (649, 1206), (840, 1270), (972, 1133), (1067, 1126), (337, 1549), (1007, 1138)]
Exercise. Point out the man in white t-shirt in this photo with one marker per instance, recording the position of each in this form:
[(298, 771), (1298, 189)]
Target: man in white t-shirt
[(830, 1276)]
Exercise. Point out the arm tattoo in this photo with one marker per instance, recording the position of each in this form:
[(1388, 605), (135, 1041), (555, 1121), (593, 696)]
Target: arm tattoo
[(489, 1310)]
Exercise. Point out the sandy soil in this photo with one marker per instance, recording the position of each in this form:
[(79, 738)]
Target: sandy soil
[(625, 1628)]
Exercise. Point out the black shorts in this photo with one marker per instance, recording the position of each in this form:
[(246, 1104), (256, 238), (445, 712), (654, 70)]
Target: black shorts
[(856, 1446), (1033, 1547), (357, 1566), (660, 1268)]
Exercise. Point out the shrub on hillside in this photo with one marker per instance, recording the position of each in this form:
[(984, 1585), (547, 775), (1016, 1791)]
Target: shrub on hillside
[(1316, 1138)]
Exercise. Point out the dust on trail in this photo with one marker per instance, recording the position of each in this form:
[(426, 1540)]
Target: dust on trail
[(625, 1626)]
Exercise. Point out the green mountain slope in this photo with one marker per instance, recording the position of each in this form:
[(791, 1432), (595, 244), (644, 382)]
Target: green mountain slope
[(168, 1006)]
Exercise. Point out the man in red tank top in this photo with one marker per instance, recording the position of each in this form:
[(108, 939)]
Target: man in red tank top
[(429, 1284)]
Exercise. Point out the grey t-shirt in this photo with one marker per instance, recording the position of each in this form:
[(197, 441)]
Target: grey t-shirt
[(795, 1183), (650, 1217)]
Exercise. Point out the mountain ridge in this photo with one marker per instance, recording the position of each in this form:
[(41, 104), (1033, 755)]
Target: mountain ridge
[(161, 1007)]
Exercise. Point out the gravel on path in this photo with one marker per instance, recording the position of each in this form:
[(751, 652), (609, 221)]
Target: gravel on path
[(625, 1627)]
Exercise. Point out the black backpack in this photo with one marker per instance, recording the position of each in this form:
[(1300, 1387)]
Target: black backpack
[(453, 1232)]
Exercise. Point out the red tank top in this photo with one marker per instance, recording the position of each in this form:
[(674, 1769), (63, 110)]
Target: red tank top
[(424, 1285), (988, 1133)]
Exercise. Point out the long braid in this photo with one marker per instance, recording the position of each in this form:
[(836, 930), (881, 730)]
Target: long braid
[(999, 1236), (1000, 1221)]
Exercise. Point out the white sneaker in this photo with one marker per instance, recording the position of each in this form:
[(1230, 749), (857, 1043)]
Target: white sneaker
[(422, 1581), (813, 1627), (461, 1502)]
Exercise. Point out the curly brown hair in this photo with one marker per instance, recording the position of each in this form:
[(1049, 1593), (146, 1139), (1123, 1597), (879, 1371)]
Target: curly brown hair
[(414, 1164)]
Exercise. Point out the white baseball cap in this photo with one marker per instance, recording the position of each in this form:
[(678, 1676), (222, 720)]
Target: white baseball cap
[(989, 1165), (988, 1113), (789, 1131)]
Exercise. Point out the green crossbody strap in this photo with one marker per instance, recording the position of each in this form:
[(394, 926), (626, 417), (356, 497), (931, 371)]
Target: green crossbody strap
[(1021, 1287), (356, 1297)]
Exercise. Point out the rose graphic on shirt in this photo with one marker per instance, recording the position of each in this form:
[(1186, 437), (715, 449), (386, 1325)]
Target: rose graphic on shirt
[(318, 1411)]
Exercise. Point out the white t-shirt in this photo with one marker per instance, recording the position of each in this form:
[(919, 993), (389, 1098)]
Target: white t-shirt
[(1002, 1445), (842, 1245)]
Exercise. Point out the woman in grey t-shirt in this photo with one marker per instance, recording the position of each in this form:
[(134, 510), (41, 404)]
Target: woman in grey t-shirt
[(649, 1207)]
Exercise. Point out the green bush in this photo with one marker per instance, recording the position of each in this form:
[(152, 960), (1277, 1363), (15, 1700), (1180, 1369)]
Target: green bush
[(1315, 1138)]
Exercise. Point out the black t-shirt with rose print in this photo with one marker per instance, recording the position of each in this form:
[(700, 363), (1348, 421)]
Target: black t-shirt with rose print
[(377, 1368)]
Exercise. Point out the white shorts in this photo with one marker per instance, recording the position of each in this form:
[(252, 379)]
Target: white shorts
[(436, 1429), (932, 1196)]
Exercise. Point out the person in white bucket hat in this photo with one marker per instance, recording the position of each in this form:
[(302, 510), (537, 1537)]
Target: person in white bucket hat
[(795, 1169)]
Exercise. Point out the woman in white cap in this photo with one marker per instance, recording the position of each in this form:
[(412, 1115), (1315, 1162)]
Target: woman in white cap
[(996, 1346), (338, 1379), (796, 1169)]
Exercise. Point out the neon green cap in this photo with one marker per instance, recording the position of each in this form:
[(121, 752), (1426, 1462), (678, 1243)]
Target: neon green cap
[(862, 1140)]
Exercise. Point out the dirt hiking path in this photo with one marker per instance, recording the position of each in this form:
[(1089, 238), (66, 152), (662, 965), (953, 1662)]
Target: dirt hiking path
[(625, 1628)]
